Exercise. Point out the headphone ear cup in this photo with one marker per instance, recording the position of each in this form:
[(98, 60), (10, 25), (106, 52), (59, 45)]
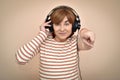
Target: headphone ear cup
[(51, 28), (75, 26), (47, 27)]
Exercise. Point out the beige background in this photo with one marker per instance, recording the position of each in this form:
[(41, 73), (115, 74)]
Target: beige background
[(19, 23)]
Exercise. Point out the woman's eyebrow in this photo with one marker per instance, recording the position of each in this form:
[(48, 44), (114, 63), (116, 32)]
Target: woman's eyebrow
[(66, 21)]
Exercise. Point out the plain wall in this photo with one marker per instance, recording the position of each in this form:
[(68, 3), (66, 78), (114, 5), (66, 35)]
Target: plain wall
[(20, 21)]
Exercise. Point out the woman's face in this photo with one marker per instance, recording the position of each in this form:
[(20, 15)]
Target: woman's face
[(62, 30)]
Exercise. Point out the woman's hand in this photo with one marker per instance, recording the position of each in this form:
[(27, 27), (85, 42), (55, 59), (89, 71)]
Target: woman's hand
[(88, 37), (43, 25)]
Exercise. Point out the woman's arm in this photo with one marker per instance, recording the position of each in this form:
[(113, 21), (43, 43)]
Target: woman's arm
[(27, 51), (86, 39)]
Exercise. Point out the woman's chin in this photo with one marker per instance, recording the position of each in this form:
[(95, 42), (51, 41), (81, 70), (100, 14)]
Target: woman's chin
[(61, 39)]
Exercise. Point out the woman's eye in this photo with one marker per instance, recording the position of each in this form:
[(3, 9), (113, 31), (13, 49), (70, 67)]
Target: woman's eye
[(67, 24)]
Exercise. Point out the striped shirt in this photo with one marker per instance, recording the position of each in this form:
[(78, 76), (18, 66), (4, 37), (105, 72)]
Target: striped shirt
[(58, 60)]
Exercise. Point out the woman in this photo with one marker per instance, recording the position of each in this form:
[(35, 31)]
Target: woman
[(58, 55)]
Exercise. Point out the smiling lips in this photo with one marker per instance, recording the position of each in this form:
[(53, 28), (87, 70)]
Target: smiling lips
[(62, 33)]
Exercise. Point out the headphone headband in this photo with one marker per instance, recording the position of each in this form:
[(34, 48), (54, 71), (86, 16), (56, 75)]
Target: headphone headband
[(63, 7)]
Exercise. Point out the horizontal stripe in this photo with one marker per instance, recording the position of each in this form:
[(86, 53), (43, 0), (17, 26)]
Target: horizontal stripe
[(58, 57), (55, 62), (58, 74), (58, 67), (55, 59), (57, 53), (51, 43), (59, 64), (57, 70), (66, 77), (64, 48)]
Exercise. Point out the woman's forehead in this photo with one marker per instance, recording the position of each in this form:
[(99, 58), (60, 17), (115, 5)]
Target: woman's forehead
[(65, 19)]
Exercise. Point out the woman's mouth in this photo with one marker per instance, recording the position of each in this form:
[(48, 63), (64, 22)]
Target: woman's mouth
[(62, 33)]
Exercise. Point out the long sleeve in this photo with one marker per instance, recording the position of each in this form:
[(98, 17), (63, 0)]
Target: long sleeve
[(27, 51)]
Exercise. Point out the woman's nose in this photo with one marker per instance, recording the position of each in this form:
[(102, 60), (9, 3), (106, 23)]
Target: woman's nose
[(62, 28)]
